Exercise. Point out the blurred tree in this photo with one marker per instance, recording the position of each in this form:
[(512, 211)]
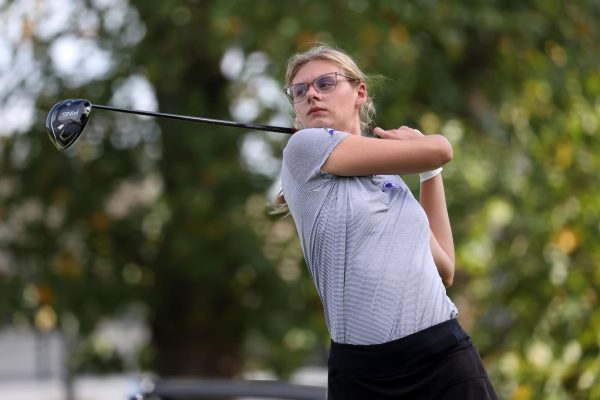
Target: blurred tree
[(153, 212), (141, 212)]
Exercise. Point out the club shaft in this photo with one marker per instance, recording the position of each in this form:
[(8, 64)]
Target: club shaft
[(267, 128)]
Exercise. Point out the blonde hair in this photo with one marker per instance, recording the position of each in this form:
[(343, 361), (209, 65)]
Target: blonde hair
[(324, 52)]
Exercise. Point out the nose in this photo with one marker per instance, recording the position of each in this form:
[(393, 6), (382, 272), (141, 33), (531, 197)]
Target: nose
[(311, 92)]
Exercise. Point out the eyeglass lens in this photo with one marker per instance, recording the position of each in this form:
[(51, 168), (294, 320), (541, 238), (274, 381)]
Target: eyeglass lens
[(323, 84)]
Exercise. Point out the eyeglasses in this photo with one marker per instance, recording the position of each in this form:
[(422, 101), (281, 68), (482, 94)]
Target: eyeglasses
[(325, 83)]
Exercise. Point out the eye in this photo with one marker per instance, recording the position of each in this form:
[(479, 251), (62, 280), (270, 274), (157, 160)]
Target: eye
[(299, 90), (325, 82)]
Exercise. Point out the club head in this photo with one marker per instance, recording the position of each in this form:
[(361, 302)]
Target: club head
[(66, 121)]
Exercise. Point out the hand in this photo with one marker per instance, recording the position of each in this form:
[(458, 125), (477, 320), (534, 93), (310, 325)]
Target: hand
[(402, 133)]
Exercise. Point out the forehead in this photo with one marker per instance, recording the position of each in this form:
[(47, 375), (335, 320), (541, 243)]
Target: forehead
[(313, 69)]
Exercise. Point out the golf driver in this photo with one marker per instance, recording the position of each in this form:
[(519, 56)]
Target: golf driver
[(67, 120)]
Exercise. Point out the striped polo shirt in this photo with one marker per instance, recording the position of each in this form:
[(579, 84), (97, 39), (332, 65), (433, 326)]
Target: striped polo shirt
[(365, 240)]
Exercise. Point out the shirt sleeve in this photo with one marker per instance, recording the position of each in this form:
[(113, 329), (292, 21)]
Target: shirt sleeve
[(307, 151)]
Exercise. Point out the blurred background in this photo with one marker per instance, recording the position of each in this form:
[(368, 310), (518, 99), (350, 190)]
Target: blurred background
[(146, 248)]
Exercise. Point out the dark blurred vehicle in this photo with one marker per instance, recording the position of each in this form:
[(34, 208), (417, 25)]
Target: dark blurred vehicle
[(174, 389)]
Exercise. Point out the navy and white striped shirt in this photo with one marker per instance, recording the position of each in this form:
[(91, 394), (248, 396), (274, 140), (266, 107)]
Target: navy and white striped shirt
[(366, 243)]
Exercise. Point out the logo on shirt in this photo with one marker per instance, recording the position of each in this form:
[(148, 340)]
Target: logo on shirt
[(388, 185), (331, 131)]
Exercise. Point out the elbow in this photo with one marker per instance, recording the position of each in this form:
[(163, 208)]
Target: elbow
[(447, 274), (448, 281), (448, 153), (444, 151)]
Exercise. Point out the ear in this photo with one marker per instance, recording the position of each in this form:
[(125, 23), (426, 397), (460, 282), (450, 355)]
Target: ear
[(361, 94)]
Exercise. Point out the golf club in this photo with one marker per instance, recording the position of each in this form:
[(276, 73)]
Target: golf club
[(67, 120)]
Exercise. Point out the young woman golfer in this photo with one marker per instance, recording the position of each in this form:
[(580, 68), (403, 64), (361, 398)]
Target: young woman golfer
[(380, 260)]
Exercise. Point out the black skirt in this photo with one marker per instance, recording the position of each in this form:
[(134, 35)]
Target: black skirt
[(438, 363)]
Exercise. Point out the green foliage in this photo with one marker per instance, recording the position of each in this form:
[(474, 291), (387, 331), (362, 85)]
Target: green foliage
[(514, 85)]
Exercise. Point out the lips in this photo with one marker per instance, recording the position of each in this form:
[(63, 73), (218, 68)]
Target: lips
[(315, 109)]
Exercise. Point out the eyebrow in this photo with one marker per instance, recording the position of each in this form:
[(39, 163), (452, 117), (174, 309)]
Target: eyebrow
[(318, 76)]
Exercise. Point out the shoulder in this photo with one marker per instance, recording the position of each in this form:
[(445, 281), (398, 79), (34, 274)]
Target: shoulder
[(313, 136), (315, 133)]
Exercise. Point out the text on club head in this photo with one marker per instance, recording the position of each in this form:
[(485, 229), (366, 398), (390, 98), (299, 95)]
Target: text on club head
[(68, 114)]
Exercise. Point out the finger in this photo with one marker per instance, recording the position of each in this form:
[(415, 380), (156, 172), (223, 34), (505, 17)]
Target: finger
[(411, 130), (378, 132), (408, 128)]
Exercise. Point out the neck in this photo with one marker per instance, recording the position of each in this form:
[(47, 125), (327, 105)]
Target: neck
[(353, 127)]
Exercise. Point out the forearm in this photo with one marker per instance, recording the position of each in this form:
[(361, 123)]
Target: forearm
[(433, 201), (362, 156)]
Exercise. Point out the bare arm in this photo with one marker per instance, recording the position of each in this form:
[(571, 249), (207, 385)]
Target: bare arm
[(362, 156), (433, 201)]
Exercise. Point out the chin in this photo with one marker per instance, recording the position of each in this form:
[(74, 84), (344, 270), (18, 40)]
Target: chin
[(321, 123)]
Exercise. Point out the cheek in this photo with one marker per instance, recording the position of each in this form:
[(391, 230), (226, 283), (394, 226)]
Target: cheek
[(302, 109), (298, 109)]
